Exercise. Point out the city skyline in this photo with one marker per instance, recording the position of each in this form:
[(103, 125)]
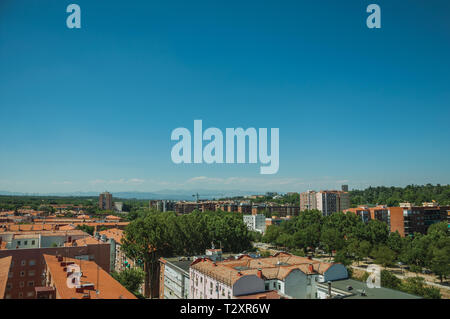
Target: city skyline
[(92, 109)]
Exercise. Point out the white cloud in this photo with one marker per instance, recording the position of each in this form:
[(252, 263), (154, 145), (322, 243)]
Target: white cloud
[(122, 181)]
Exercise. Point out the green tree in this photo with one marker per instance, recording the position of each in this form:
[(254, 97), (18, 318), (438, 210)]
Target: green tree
[(440, 262), (389, 280), (131, 279), (383, 255), (331, 240), (416, 286)]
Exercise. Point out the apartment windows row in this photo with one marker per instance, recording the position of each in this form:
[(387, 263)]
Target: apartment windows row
[(25, 242), (31, 262), (29, 294), (31, 273), (30, 283)]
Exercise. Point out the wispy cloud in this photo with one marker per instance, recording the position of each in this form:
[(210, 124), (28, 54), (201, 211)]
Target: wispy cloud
[(122, 181), (62, 183)]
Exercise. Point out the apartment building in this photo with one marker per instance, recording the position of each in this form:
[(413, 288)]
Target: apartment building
[(363, 212), (406, 218), (96, 283), (162, 205), (326, 201), (38, 239), (105, 201), (276, 210), (174, 278), (118, 259), (27, 262), (329, 202), (255, 222), (308, 200), (290, 276)]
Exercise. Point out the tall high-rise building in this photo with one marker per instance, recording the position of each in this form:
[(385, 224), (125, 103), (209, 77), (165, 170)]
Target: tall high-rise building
[(105, 201), (344, 188), (308, 200), (327, 202)]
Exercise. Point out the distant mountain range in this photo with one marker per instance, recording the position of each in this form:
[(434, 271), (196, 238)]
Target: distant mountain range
[(163, 194)]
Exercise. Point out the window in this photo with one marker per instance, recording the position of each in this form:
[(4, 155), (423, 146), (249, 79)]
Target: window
[(33, 242), (18, 242), (30, 294), (10, 275), (23, 262), (32, 262), (26, 242), (32, 273), (22, 274), (31, 284), (21, 284), (20, 294)]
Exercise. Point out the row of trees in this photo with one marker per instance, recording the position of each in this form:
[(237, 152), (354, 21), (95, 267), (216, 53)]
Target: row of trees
[(353, 240), (411, 285), (153, 235), (392, 196)]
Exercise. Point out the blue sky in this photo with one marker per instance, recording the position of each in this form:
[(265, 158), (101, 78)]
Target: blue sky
[(93, 109)]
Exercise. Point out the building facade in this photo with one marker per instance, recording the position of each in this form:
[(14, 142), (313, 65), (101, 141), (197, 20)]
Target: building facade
[(105, 201), (255, 222)]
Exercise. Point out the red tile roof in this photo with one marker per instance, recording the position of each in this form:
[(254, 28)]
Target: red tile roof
[(106, 286), (5, 264)]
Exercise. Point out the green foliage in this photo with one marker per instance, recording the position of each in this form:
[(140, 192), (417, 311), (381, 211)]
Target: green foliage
[(342, 258), (265, 253), (389, 280), (383, 255), (86, 229), (131, 279), (392, 196), (440, 261), (416, 286), (157, 234)]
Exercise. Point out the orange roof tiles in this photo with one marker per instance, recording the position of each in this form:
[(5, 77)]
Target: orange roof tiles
[(113, 217), (89, 240), (278, 266), (5, 264), (67, 227), (272, 294), (114, 233), (107, 286)]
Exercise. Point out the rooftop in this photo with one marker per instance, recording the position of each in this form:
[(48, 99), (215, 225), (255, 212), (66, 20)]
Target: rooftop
[(278, 266), (370, 293), (114, 233), (5, 264), (103, 285)]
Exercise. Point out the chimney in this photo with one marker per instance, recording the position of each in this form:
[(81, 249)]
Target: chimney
[(311, 268), (259, 273)]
